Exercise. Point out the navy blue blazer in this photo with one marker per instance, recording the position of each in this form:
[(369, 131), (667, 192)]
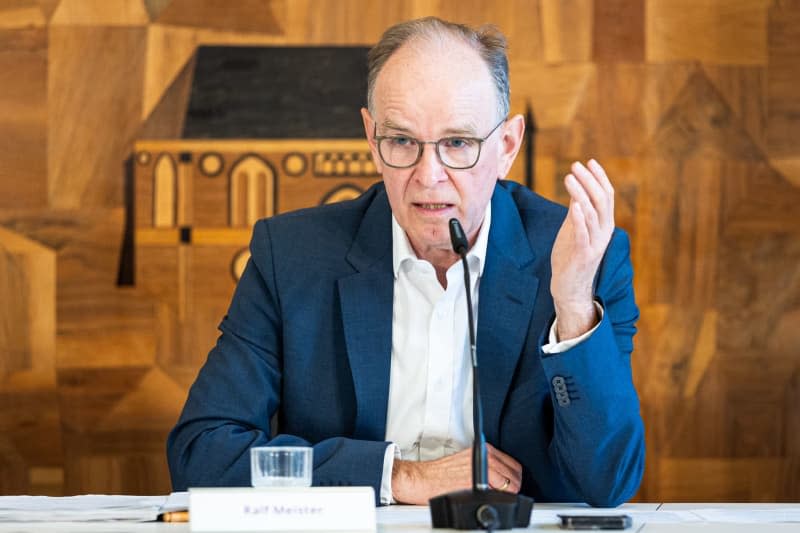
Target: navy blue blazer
[(308, 336)]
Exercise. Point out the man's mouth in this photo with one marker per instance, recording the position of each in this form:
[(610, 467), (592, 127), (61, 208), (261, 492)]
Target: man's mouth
[(432, 206)]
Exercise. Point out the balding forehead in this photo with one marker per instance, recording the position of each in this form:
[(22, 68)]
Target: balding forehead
[(432, 58), (442, 40), (440, 45), (434, 91)]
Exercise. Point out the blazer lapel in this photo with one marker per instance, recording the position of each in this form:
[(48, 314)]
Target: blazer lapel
[(366, 305), (507, 294)]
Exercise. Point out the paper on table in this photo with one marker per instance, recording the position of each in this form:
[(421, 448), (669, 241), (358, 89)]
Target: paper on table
[(404, 514), (749, 516), (86, 508), (177, 501)]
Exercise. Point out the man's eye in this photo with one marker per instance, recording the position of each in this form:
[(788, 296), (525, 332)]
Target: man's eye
[(402, 141), (457, 142)]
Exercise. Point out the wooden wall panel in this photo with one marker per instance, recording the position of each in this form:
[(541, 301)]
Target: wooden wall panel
[(30, 418), (713, 31), (525, 33), (621, 109), (17, 14), (48, 7), (243, 16), (80, 175), (108, 13), (783, 107), (28, 277), (744, 90), (561, 86), (567, 30), (23, 108), (691, 106), (166, 119), (168, 52), (618, 30), (342, 22)]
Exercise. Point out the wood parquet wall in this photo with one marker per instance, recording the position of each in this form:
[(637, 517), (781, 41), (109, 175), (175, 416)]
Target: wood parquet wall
[(692, 106)]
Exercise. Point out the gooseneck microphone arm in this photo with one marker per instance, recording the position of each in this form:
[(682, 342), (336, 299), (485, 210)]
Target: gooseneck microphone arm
[(480, 507), (480, 467)]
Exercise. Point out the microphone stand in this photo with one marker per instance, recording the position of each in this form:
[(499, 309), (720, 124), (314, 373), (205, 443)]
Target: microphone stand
[(480, 507)]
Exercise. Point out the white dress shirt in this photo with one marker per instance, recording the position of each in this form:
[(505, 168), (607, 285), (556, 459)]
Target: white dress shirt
[(429, 414)]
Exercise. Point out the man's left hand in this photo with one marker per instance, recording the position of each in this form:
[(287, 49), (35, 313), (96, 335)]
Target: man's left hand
[(579, 248)]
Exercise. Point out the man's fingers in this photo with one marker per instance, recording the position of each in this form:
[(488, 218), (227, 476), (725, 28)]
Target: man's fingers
[(592, 184), (598, 196), (592, 169), (503, 482), (504, 458), (505, 472), (579, 228), (584, 217), (601, 176), (503, 479), (578, 192)]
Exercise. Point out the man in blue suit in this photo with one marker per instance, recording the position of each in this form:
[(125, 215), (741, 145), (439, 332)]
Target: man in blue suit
[(349, 319)]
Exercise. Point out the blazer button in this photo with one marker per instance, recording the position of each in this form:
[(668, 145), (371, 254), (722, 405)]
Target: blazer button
[(560, 388), (563, 399)]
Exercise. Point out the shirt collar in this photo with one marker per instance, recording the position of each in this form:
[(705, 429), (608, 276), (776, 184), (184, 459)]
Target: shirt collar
[(402, 250)]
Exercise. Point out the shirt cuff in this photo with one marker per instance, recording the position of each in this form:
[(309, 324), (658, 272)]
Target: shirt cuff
[(554, 346), (392, 453)]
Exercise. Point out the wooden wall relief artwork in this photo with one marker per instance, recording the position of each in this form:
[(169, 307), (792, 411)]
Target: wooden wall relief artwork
[(195, 205), (231, 113), (196, 198)]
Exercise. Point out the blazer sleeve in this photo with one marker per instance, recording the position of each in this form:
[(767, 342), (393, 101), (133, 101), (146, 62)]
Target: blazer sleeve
[(598, 434), (238, 390)]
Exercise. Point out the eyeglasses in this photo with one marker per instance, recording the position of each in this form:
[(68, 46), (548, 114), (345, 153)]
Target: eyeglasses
[(458, 153)]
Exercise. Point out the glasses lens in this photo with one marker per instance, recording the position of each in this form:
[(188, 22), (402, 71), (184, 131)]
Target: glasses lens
[(454, 152), (399, 151), (459, 153)]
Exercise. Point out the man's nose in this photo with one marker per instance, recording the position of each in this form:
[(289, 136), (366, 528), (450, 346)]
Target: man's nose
[(429, 170)]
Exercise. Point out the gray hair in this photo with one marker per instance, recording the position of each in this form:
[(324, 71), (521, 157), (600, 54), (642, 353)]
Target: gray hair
[(487, 40)]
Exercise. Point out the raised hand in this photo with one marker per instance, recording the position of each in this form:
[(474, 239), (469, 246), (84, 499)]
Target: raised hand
[(579, 248)]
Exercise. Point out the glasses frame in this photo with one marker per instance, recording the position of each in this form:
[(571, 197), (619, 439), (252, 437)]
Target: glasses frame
[(421, 146)]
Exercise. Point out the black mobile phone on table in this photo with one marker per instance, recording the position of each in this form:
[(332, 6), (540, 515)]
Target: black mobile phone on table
[(617, 521)]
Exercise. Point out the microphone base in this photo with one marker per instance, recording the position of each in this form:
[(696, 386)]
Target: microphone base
[(481, 509)]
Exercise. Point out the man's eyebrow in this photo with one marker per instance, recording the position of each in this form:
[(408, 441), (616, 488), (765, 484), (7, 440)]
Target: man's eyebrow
[(390, 125), (461, 131)]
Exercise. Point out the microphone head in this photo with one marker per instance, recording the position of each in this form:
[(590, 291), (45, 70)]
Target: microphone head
[(457, 237)]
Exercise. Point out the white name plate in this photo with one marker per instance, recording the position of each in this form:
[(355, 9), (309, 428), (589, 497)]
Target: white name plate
[(282, 509)]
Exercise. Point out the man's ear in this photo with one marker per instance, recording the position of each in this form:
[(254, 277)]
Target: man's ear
[(511, 142), (369, 130)]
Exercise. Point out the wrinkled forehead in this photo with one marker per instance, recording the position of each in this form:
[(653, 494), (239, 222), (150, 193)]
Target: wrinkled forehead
[(441, 75)]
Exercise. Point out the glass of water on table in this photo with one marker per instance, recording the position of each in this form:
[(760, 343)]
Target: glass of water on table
[(281, 466)]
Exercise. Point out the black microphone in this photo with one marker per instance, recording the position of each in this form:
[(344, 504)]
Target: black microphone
[(480, 507), (480, 467), (460, 244)]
